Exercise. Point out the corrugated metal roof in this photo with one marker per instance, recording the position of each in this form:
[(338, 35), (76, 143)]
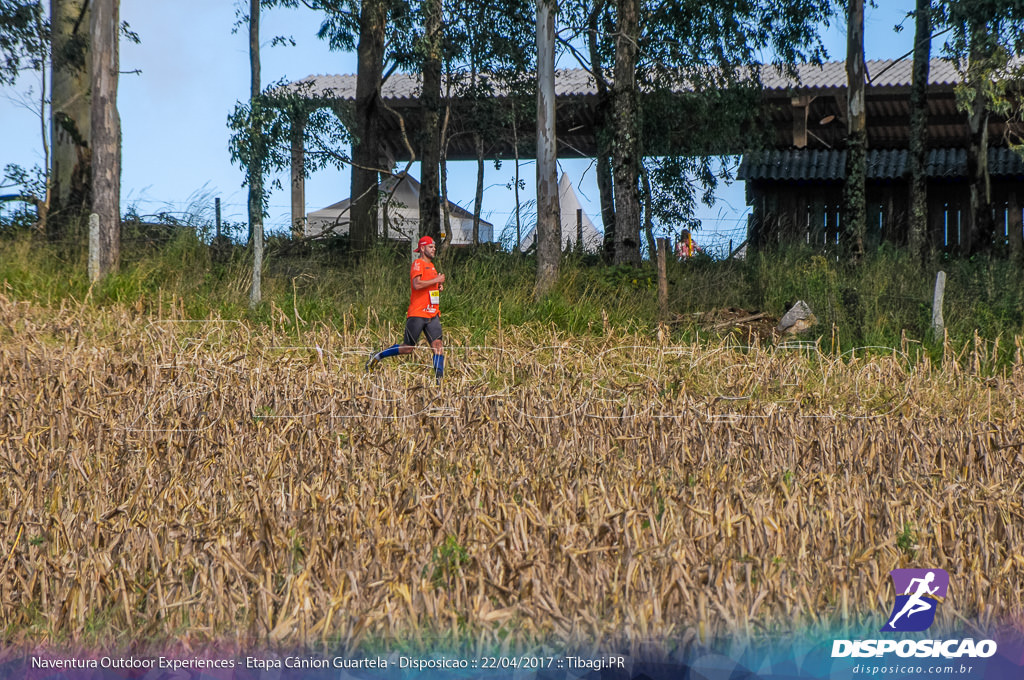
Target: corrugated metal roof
[(830, 165), (947, 162), (579, 82), (794, 164), (880, 72), (403, 86)]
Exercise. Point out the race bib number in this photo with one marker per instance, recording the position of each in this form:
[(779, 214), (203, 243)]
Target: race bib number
[(435, 297)]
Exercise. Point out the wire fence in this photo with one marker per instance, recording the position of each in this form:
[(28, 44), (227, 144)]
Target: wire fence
[(717, 237)]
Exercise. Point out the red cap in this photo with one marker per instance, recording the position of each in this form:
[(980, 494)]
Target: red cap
[(425, 241)]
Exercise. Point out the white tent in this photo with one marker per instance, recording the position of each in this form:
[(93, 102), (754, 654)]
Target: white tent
[(400, 204), (568, 205)]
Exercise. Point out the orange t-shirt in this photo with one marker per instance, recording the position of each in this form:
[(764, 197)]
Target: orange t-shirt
[(425, 302)]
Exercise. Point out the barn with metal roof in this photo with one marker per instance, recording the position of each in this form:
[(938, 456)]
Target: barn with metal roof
[(791, 185)]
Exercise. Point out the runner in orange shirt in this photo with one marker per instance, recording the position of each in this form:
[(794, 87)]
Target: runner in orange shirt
[(424, 315)]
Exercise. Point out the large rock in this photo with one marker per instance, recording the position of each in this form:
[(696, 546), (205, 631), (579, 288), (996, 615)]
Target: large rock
[(798, 319)]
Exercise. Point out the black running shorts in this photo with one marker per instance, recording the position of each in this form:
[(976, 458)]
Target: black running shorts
[(415, 325)]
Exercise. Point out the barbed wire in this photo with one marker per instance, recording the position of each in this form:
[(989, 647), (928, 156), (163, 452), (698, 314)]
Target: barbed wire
[(717, 236)]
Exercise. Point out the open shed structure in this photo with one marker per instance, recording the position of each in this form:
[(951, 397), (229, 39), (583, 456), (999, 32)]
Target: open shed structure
[(806, 129), (797, 195)]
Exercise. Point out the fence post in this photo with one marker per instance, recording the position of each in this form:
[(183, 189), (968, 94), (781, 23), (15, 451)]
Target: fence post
[(94, 247), (662, 279), (940, 288), (579, 230)]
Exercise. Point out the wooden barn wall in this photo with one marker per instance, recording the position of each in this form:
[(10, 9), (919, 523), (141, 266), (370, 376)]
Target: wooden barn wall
[(810, 212)]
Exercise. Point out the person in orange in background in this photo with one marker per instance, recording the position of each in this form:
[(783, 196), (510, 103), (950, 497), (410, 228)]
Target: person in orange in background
[(424, 315), (685, 247)]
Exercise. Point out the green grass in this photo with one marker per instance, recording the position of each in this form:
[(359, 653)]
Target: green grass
[(884, 300)]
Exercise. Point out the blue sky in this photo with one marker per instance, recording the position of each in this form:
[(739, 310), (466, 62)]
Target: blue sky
[(194, 70)]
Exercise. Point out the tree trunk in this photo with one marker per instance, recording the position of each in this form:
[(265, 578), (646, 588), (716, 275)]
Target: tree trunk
[(603, 134), (626, 148), (365, 144), (978, 233), (70, 126), (255, 179), (430, 143), (549, 232), (298, 173), (515, 188), (446, 218), (918, 226), (478, 141), (43, 203), (105, 126), (606, 194), (854, 201), (652, 247), (478, 147)]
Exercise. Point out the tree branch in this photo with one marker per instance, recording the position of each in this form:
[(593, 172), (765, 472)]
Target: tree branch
[(81, 15)]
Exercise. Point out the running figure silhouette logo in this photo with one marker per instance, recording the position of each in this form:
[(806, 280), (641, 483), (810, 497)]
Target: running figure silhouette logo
[(918, 593)]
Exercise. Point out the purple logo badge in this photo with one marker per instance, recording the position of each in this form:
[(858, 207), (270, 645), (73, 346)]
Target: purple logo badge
[(918, 593)]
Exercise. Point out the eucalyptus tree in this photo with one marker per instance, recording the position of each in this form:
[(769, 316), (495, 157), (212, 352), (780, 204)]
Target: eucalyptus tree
[(266, 128), (986, 36), (918, 226), (487, 54), (105, 122), (685, 75), (627, 152), (70, 127), (484, 51), (372, 28), (254, 171), (363, 26), (419, 48), (470, 50), (854, 199), (430, 49), (597, 50), (549, 228)]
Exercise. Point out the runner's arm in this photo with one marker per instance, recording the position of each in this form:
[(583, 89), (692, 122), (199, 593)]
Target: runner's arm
[(418, 283)]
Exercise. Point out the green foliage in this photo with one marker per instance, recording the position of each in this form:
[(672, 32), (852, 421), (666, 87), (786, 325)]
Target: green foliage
[(24, 38), (446, 562), (906, 540), (262, 131), (30, 184), (882, 301), (984, 39)]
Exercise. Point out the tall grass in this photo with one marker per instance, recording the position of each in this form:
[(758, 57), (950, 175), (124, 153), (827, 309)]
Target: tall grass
[(238, 484), (889, 295), (881, 300), (176, 467)]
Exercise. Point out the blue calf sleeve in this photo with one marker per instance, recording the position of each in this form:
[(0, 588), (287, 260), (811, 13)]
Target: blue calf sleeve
[(389, 352), (439, 366)]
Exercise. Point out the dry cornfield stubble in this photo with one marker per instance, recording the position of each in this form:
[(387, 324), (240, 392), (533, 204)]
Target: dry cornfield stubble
[(165, 479)]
